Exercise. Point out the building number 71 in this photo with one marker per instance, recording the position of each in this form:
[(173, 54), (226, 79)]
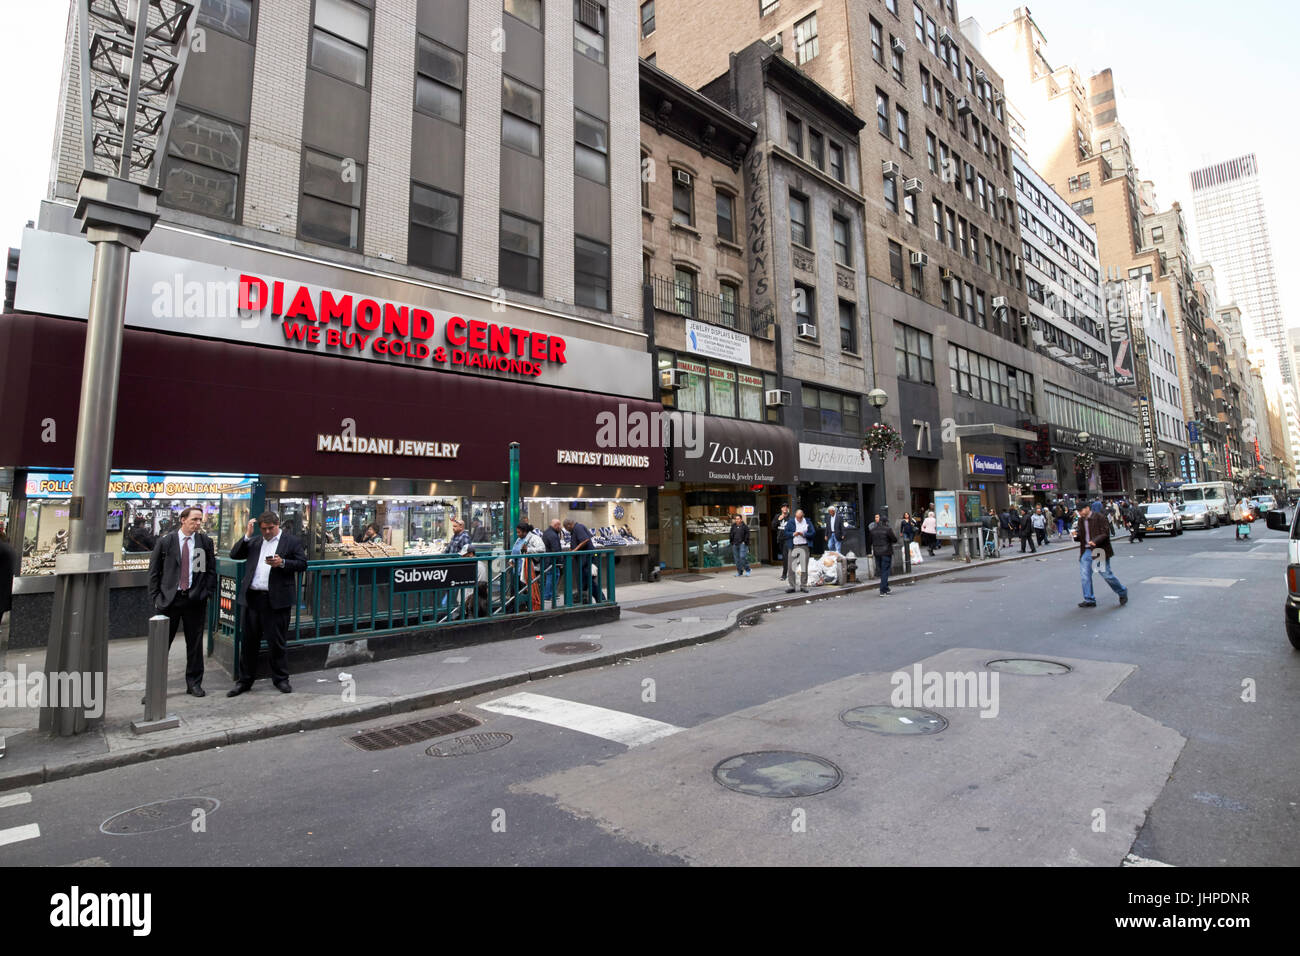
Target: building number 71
[(922, 430)]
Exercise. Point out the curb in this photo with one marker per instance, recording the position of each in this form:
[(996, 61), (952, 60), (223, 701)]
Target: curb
[(455, 693)]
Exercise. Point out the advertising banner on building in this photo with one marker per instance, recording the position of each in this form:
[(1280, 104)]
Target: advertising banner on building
[(945, 513), (717, 342), (1119, 331)]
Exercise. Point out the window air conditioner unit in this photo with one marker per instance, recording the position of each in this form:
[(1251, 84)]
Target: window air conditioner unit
[(776, 397), (1038, 338), (1019, 263), (963, 106), (945, 35), (672, 379), (1002, 193), (683, 177), (912, 186), (946, 275), (997, 96), (981, 76), (807, 331), (775, 44), (889, 169), (920, 259), (1024, 320), (999, 302), (898, 45)]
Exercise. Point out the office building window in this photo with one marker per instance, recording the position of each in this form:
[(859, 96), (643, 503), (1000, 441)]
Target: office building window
[(913, 354), (729, 294), (521, 116), (591, 273), (882, 113), (590, 148), (683, 198), (530, 11), (330, 207), (896, 262), (925, 86), (891, 194), (918, 282), (201, 170), (981, 316), (918, 18), (877, 42), (895, 59), (340, 40), (645, 180), (909, 207), (520, 264), (589, 29), (439, 80), (234, 17), (837, 162), (848, 327), (1083, 207), (833, 412), (938, 219), (798, 219), (804, 304), (892, 6), (434, 238), (970, 303), (816, 149), (805, 39), (931, 159), (794, 135), (843, 243), (1157, 233), (726, 204), (648, 18), (767, 6), (904, 136), (684, 292)]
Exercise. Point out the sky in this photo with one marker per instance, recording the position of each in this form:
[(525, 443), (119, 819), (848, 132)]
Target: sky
[(1197, 85), (1194, 90)]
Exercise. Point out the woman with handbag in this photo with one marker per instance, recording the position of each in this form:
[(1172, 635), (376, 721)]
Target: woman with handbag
[(929, 528)]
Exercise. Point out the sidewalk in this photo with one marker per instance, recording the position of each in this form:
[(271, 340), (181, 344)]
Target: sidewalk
[(656, 617)]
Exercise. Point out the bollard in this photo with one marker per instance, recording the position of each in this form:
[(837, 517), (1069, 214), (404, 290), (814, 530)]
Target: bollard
[(155, 695)]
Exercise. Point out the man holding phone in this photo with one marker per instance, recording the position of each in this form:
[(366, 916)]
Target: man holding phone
[(266, 594)]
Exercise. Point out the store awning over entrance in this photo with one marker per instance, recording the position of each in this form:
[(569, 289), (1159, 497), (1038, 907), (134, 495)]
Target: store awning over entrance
[(730, 450), (196, 405)]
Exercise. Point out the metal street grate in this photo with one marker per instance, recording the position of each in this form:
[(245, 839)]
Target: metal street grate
[(571, 647), (386, 738), (663, 607)]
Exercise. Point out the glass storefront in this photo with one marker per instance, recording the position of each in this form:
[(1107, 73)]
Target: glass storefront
[(695, 525), (142, 508)]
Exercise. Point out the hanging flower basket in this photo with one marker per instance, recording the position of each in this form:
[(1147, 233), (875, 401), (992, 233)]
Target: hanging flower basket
[(882, 439), (1083, 462)]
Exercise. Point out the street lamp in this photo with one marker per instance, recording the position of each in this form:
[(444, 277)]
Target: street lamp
[(878, 398), (132, 55)]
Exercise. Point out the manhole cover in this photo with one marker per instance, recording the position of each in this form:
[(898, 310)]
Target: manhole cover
[(571, 647), (386, 738), (777, 773), (469, 744), (643, 627), (1027, 665), (162, 815), (883, 719)]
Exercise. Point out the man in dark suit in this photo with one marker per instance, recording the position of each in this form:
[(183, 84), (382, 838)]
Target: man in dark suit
[(267, 593), (554, 545), (182, 576), (835, 527)]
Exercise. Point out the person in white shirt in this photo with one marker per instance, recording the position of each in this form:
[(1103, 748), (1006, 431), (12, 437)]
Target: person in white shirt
[(799, 533), (267, 593)]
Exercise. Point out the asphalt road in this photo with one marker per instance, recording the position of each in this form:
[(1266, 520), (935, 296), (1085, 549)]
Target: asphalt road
[(1146, 746)]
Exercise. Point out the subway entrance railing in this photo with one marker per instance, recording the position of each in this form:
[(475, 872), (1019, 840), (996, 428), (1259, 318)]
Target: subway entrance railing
[(353, 599)]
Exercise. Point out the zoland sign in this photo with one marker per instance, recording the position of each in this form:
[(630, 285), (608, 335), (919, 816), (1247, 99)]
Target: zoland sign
[(252, 306)]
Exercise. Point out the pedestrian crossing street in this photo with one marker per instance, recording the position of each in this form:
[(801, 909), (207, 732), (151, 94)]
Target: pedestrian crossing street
[(21, 832)]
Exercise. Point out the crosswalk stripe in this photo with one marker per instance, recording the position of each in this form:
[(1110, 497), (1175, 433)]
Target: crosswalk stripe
[(29, 831), (1195, 582), (1134, 860), (14, 800), (627, 729)]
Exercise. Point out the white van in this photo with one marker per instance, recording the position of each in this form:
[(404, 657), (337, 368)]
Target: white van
[(1276, 521), (1218, 497)]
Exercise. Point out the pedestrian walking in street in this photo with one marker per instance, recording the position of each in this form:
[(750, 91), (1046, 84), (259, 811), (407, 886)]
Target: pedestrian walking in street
[(1004, 528), (882, 540), (929, 529), (799, 533), (778, 532), (1025, 528), (1058, 512), (266, 594), (1093, 535), (1039, 521), (182, 576), (740, 544), (835, 529)]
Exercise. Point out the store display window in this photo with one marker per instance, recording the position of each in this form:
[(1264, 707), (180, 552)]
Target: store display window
[(615, 522)]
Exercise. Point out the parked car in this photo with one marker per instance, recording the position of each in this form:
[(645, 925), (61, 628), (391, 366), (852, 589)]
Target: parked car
[(1161, 517), (1197, 514), (1276, 521), (1266, 503)]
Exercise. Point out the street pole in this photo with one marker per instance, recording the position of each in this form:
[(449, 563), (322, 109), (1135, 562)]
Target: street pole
[(512, 503), (116, 214)]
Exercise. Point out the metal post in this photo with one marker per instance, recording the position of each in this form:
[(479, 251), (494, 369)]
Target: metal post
[(512, 503), (155, 694)]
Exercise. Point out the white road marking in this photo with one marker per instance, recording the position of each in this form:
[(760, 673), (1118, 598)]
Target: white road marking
[(15, 799), (627, 729), (455, 660), (1134, 860), (1195, 582), (1249, 555), (17, 834)]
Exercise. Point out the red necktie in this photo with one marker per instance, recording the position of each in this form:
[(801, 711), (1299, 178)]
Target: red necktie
[(185, 565)]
